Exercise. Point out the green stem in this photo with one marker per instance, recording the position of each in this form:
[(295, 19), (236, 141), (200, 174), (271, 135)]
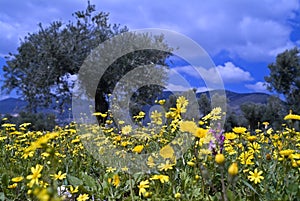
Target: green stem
[(224, 195), (131, 190)]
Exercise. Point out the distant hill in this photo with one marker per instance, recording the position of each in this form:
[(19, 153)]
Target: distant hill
[(14, 106), (234, 99)]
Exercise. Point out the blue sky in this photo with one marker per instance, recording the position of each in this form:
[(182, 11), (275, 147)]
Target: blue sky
[(241, 37)]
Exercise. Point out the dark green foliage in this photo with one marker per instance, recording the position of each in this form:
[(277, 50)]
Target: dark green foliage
[(204, 104), (45, 61), (232, 120), (275, 112), (39, 121), (285, 77), (253, 113)]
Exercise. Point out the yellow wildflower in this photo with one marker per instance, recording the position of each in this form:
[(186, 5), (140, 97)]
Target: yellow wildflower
[(255, 176), (251, 138), (110, 169), (138, 149), (239, 130), (116, 180), (230, 136), (188, 126), (161, 102), (156, 117), (59, 176), (191, 163), (42, 194), (150, 162), (286, 152), (14, 185), (292, 116), (103, 115), (36, 174), (162, 178), (182, 101), (126, 129), (73, 190), (142, 187), (17, 179), (167, 152), (166, 166), (200, 133), (246, 158), (83, 197), (177, 195)]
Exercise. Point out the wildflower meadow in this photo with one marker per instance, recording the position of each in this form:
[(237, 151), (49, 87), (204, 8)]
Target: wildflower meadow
[(170, 158)]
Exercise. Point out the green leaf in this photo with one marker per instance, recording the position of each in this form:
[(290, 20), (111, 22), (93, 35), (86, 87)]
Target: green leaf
[(89, 181), (292, 188), (2, 196), (74, 180), (5, 179), (250, 186), (231, 195)]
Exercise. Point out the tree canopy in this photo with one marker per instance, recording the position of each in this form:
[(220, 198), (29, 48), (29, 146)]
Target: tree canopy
[(284, 77), (41, 69)]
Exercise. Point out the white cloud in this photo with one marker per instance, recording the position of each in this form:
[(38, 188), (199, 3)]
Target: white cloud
[(233, 74), (229, 73), (258, 87), (255, 30), (175, 87)]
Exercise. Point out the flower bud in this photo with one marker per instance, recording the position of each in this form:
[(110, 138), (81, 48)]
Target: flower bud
[(220, 159), (233, 169)]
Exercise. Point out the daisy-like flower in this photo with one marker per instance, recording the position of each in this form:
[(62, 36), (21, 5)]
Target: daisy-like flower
[(142, 187), (73, 190), (239, 130), (255, 176), (150, 162), (83, 197), (162, 178), (167, 166), (286, 152), (36, 174), (59, 176), (126, 129), (200, 133), (156, 117), (230, 136), (110, 169), (254, 147), (246, 158), (182, 101)]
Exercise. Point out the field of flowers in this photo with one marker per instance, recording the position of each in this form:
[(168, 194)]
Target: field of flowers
[(169, 159)]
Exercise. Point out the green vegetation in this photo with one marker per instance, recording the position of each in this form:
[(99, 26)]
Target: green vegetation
[(88, 162)]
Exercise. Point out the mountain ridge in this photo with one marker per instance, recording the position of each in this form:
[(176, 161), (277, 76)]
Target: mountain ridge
[(15, 105)]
